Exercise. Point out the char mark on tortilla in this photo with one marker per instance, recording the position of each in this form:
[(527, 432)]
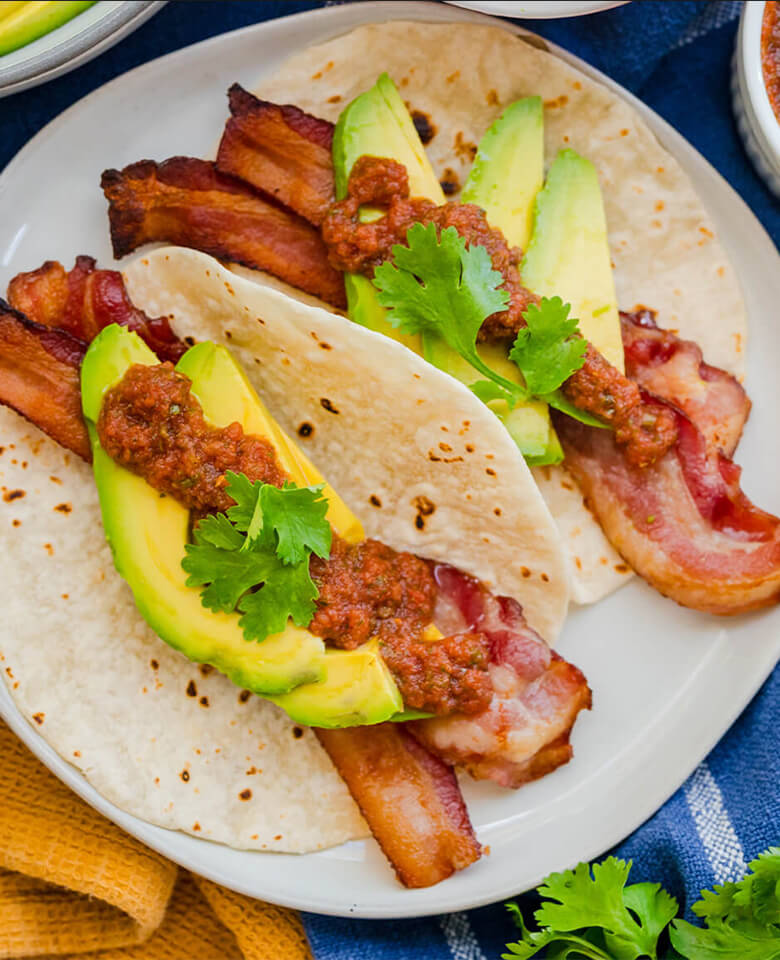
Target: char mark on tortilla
[(190, 203), (281, 151), (410, 799), (683, 523)]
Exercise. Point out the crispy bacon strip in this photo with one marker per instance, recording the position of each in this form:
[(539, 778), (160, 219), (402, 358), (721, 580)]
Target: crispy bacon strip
[(84, 300), (280, 150), (669, 367), (188, 202), (683, 523), (410, 799), (39, 378), (524, 732)]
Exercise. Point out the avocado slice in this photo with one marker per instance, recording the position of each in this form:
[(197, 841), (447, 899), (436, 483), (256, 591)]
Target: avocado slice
[(22, 23), (508, 170), (226, 396), (378, 124), (568, 254), (357, 691), (147, 533)]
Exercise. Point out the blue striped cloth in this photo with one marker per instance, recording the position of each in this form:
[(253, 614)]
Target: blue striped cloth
[(675, 56)]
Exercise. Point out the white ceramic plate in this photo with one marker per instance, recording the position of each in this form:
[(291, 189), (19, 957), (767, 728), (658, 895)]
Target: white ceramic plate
[(74, 43), (667, 682), (538, 9)]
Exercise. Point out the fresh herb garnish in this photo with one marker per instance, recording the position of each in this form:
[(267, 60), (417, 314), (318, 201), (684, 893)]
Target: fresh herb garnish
[(255, 557), (549, 348), (595, 916), (743, 918), (436, 285)]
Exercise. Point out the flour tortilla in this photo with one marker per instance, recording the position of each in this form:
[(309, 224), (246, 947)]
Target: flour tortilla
[(177, 744), (663, 244)]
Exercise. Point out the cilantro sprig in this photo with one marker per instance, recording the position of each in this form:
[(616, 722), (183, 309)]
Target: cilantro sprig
[(255, 557), (437, 285), (593, 915)]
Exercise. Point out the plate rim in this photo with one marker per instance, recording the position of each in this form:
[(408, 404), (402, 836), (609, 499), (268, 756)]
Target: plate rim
[(341, 19), (112, 26)]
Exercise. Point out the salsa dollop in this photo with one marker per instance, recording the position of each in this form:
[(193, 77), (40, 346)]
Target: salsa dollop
[(770, 53), (151, 423)]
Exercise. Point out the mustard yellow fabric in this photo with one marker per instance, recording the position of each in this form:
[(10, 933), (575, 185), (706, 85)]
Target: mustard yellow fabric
[(73, 885)]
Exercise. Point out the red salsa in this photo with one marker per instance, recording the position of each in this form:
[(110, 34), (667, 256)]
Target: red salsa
[(646, 430), (150, 423), (770, 53)]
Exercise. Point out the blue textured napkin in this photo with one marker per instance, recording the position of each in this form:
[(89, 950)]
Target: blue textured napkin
[(676, 57)]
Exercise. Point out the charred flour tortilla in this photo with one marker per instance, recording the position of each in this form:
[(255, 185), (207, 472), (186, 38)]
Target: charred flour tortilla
[(665, 253), (177, 744)]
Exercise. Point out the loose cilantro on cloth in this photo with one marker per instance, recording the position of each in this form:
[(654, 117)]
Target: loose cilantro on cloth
[(264, 541), (594, 916), (437, 285)]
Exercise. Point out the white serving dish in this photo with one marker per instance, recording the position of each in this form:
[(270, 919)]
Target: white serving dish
[(538, 9), (758, 126), (81, 39), (667, 682)]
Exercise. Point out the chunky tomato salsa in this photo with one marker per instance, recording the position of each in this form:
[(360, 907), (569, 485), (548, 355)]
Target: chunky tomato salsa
[(770, 53), (152, 424), (646, 430)]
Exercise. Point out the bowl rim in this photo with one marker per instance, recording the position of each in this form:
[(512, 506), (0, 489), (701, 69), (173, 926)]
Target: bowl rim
[(113, 19), (752, 68)]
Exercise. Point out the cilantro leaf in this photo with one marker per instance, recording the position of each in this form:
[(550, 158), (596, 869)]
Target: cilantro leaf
[(563, 945), (550, 347), (724, 941), (228, 573), (246, 494), (436, 285), (598, 917), (557, 400), (743, 918), (487, 390), (288, 592), (255, 557), (599, 901), (297, 515), (757, 895)]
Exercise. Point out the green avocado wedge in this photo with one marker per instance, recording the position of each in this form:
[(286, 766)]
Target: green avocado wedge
[(24, 22), (147, 533), (568, 254), (508, 170), (378, 123)]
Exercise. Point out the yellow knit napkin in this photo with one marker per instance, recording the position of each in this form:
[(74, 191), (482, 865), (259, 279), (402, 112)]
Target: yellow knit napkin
[(74, 885)]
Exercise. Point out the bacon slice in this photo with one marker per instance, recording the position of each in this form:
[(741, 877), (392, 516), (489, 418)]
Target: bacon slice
[(280, 150), (84, 300), (683, 523), (410, 799), (524, 732), (188, 202), (39, 378), (663, 364)]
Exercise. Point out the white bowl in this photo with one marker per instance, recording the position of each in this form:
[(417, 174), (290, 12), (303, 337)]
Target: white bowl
[(85, 36), (757, 123), (538, 9)]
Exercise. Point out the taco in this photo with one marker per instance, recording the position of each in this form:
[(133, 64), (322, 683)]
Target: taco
[(631, 418), (386, 620)]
